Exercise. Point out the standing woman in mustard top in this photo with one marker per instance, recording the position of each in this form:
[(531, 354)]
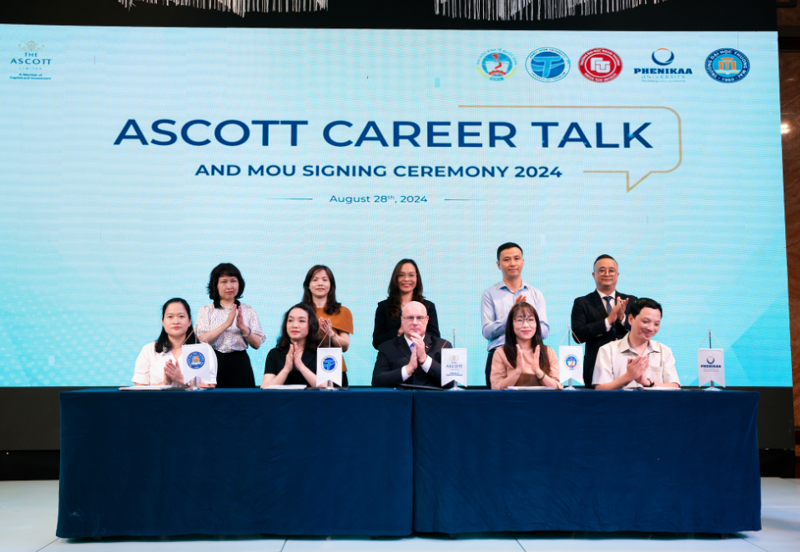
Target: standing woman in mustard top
[(404, 287), (229, 327), (524, 360), (335, 320)]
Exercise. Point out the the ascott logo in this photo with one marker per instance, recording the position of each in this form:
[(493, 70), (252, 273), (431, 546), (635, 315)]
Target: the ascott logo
[(600, 65), (497, 65), (662, 58), (727, 65), (547, 64), (31, 66)]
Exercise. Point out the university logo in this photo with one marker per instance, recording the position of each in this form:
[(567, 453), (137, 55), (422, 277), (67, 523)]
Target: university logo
[(710, 360), (547, 64), (329, 364), (497, 65), (662, 58), (571, 362), (727, 65), (195, 360), (600, 65)]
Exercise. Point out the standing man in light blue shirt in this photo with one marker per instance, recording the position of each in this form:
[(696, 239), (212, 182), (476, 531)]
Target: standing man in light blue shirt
[(498, 300)]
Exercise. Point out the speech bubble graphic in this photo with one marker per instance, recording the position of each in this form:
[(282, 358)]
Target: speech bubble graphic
[(637, 141)]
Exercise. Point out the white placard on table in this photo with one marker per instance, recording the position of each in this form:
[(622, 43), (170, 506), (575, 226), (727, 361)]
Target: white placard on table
[(711, 366), (454, 366), (198, 361), (570, 363), (329, 366)]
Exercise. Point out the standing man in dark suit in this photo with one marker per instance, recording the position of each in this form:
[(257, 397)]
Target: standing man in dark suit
[(602, 316), (413, 357)]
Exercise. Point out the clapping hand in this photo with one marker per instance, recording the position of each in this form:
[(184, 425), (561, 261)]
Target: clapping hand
[(412, 362), (419, 348), (622, 306), (325, 327), (289, 364), (173, 372), (298, 357), (520, 299), (637, 367), (240, 321), (231, 317)]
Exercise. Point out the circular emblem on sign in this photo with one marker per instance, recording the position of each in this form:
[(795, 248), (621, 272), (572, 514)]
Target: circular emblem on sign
[(600, 65), (727, 65), (454, 358), (662, 57), (195, 360), (710, 360), (329, 364), (547, 64), (497, 65), (571, 361)]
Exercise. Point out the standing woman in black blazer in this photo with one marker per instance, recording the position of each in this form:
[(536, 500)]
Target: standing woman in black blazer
[(404, 287)]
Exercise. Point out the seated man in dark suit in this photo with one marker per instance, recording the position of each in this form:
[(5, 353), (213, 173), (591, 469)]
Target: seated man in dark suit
[(414, 357), (601, 317)]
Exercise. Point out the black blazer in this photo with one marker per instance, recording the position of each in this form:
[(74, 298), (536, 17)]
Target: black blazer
[(588, 323), (395, 353), (386, 328)]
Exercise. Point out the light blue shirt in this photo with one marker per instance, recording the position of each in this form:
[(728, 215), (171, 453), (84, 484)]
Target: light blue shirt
[(496, 303)]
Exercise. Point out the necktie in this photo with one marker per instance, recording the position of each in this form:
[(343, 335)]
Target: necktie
[(608, 300)]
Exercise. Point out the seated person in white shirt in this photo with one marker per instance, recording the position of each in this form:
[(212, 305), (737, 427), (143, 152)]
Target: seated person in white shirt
[(413, 357), (158, 364), (636, 360)]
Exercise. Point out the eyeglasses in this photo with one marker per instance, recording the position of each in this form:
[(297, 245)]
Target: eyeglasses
[(521, 321), (415, 318), (610, 271)]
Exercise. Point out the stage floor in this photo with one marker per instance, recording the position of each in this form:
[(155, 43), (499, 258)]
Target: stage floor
[(28, 513)]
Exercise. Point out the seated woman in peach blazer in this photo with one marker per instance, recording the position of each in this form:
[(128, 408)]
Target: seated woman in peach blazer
[(524, 360)]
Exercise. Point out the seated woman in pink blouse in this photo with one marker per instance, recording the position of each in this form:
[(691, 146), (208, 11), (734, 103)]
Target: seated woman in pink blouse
[(524, 360), (157, 364), (229, 327)]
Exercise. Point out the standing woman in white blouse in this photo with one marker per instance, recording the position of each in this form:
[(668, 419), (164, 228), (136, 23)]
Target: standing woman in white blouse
[(229, 327)]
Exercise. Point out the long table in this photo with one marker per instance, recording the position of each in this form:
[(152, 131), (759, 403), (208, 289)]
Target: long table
[(236, 462), (674, 461), (369, 462)]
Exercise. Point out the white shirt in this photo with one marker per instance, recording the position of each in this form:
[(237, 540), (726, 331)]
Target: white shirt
[(612, 362), (425, 365), (150, 367), (231, 339)]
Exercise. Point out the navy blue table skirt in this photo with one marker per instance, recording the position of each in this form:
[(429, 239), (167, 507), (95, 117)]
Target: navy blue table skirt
[(235, 462), (586, 460)]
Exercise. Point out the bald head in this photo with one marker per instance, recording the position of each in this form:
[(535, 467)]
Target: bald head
[(415, 319)]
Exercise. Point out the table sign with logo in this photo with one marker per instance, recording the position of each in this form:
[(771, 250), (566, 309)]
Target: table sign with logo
[(711, 365), (196, 362), (329, 367), (570, 360), (454, 365)]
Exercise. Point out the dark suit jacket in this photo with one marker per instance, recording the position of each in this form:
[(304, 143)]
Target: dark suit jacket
[(588, 323), (386, 328), (395, 353)]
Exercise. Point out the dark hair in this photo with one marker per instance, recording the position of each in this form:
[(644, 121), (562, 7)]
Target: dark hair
[(601, 257), (312, 339), (394, 289), (507, 245), (645, 303), (331, 305), (224, 269), (510, 346), (163, 343)]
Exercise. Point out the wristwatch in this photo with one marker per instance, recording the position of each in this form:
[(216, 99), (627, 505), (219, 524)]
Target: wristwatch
[(652, 383)]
